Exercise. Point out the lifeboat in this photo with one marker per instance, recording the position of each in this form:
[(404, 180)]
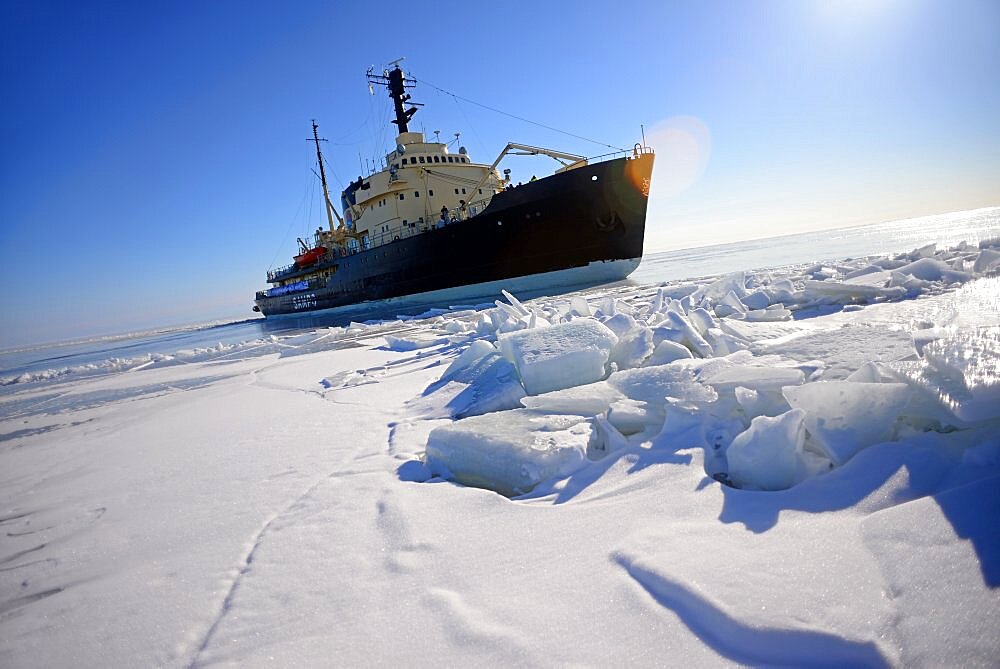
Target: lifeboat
[(310, 256)]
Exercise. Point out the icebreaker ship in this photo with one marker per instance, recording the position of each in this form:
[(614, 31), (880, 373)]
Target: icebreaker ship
[(437, 225)]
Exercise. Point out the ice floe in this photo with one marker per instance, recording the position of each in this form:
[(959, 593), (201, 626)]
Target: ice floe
[(560, 356), (710, 362), (510, 452)]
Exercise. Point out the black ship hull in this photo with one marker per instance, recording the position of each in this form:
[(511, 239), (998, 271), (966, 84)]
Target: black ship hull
[(584, 217)]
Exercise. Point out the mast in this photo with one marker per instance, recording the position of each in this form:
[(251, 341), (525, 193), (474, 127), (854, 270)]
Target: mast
[(330, 211), (397, 84)]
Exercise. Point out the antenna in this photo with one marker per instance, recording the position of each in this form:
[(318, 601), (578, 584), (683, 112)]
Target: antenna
[(397, 84), (437, 136)]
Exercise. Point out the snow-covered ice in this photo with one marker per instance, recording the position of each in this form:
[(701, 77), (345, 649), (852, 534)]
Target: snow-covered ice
[(795, 466), (769, 455), (561, 356), (510, 451), (843, 417)]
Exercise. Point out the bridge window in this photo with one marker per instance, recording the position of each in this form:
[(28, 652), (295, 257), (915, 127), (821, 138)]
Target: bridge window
[(416, 193), (451, 159), (421, 159)]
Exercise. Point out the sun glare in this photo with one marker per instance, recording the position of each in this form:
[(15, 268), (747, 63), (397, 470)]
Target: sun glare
[(683, 146), (850, 11)]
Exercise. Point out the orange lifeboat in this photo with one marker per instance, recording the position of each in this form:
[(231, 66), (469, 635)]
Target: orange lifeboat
[(310, 256)]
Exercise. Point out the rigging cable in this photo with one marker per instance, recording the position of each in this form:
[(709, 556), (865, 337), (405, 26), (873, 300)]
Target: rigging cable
[(291, 224), (461, 181), (520, 118), (374, 131), (333, 172), (482, 147), (382, 140), (308, 219), (348, 134)]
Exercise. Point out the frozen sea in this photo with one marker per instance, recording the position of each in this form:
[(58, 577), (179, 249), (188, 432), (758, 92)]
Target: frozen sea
[(781, 453), (827, 245)]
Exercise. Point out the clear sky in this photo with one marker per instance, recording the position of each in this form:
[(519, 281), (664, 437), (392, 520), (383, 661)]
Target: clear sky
[(153, 160)]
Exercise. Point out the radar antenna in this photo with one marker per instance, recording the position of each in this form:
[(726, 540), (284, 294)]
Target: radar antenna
[(397, 84)]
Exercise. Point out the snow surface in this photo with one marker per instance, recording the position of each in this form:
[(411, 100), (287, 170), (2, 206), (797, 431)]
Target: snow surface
[(785, 467)]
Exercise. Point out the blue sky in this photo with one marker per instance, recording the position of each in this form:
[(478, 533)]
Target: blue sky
[(154, 160)]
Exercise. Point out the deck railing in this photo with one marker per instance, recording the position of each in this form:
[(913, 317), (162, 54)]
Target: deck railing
[(634, 152), (288, 270)]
